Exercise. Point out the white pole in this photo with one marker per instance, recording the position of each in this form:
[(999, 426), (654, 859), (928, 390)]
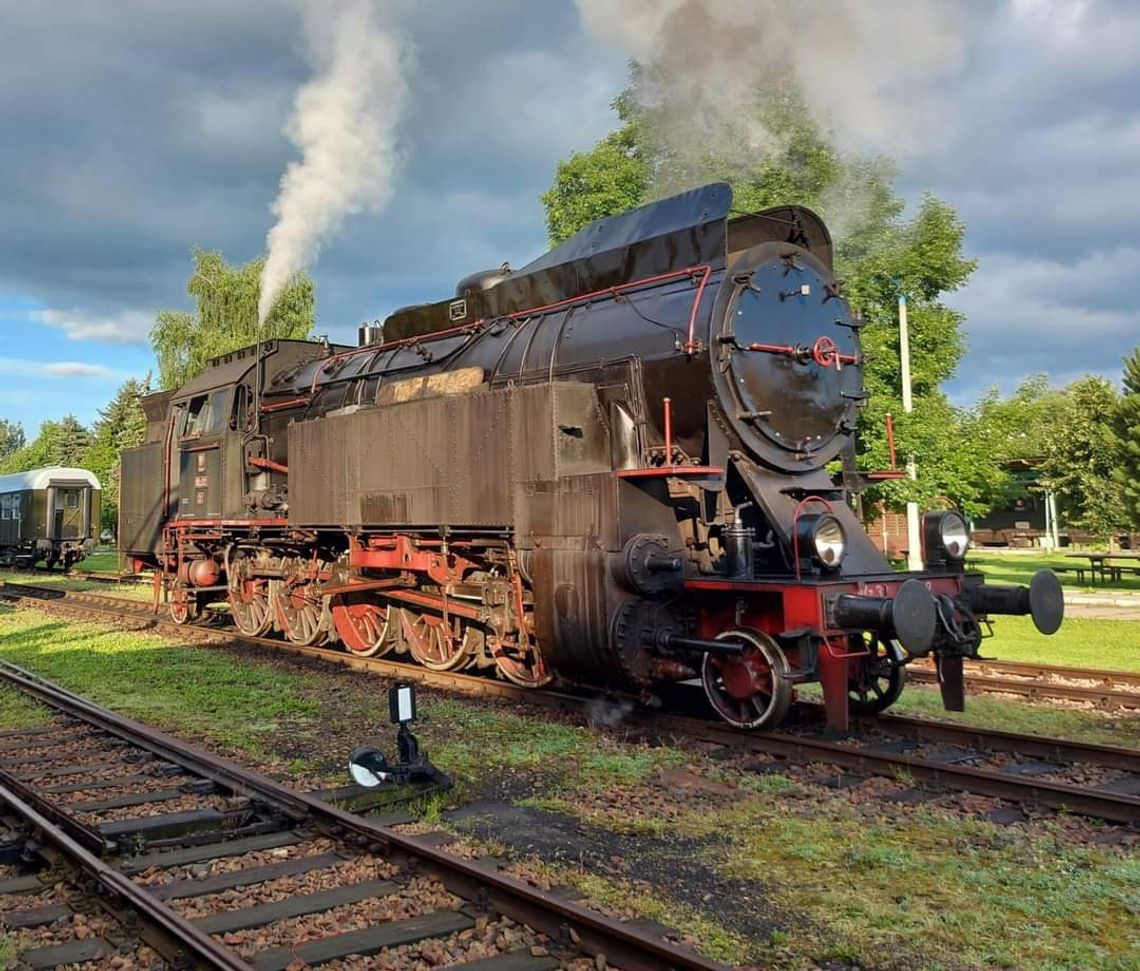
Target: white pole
[(913, 541)]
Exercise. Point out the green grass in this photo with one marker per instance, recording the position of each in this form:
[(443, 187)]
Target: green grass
[(1019, 567), (1082, 641), (104, 558), (133, 591), (187, 689), (917, 889), (471, 741), (935, 892), (1080, 725)]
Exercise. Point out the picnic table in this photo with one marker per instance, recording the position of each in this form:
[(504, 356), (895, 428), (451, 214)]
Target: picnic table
[(1100, 565)]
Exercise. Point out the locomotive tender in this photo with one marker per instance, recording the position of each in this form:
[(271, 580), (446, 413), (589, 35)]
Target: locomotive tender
[(50, 515), (606, 467)]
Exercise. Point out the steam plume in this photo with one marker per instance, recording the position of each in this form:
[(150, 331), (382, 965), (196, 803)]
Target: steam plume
[(344, 123), (868, 70)]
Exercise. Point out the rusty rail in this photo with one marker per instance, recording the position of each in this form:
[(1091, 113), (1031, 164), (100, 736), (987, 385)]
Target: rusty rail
[(626, 946)]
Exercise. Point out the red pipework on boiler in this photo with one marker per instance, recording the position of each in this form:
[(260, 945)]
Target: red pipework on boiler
[(668, 404)]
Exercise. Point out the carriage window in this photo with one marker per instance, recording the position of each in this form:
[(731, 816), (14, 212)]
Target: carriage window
[(205, 414), (72, 500), (5, 507)]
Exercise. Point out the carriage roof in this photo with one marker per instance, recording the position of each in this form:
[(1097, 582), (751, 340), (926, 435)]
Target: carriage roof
[(46, 477)]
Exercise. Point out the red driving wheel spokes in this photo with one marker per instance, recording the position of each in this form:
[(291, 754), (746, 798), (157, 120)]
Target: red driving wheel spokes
[(299, 612), (436, 644), (748, 690), (364, 628), (249, 600)]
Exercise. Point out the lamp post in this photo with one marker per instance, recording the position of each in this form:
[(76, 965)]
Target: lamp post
[(913, 543)]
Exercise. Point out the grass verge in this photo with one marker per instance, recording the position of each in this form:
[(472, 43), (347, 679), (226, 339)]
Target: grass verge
[(192, 690), (1082, 641)]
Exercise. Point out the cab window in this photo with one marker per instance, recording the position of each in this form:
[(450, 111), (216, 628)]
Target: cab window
[(205, 414)]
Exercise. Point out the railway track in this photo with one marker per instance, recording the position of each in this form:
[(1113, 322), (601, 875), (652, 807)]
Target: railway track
[(1044, 682), (1034, 771), (127, 837)]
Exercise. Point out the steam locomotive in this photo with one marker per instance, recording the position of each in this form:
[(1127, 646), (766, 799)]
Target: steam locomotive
[(607, 467)]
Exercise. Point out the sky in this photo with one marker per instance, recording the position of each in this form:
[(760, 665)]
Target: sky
[(134, 131)]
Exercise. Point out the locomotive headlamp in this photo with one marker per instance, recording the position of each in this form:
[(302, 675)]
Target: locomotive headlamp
[(822, 537), (945, 537)]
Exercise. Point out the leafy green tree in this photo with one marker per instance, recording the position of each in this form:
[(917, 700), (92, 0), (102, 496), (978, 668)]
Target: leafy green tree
[(120, 425), (879, 254), (226, 317), (1083, 457), (62, 442), (1128, 428), (11, 437), (611, 178)]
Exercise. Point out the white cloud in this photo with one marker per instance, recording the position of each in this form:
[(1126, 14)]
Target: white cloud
[(129, 327), (19, 367)]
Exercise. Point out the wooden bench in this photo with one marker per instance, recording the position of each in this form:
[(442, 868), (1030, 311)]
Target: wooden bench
[(1078, 570)]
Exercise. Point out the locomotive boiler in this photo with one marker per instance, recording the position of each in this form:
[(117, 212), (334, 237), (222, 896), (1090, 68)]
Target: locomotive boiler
[(607, 467)]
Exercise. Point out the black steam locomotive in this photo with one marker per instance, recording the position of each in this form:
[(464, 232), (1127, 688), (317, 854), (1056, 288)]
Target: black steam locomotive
[(606, 467)]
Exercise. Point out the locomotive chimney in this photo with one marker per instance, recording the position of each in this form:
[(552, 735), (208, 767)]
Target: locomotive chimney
[(370, 333)]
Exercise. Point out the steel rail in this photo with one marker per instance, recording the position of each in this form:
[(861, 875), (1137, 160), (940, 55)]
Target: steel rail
[(153, 911), (1111, 806), (596, 934), (1103, 697)]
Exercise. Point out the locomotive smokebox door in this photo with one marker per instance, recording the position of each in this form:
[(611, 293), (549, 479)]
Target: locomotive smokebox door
[(787, 360)]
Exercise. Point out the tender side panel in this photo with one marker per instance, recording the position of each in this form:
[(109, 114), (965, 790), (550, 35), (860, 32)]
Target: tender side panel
[(140, 499), (452, 460)]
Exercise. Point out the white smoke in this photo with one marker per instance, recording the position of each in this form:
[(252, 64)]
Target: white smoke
[(344, 122), (869, 70)]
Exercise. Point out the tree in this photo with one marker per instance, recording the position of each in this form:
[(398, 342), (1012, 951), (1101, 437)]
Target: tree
[(120, 425), (1082, 460), (62, 442), (611, 178), (879, 255), (226, 317), (11, 437), (1128, 429)]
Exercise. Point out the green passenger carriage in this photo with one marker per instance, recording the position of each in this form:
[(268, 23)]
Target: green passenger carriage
[(48, 515)]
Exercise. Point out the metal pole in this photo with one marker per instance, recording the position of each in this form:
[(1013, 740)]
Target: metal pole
[(913, 542)]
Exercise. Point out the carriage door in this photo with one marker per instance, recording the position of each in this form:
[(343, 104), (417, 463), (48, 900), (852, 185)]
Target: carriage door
[(68, 512)]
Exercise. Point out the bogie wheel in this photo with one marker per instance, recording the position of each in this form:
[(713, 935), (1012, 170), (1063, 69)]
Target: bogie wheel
[(184, 606), (249, 599), (523, 666), (434, 644), (366, 629), (880, 679), (748, 690)]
